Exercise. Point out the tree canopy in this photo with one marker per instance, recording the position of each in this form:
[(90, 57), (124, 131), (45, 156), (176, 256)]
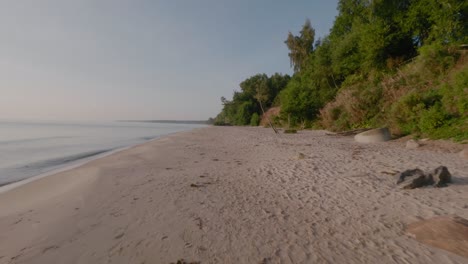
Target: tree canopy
[(300, 46), (347, 78)]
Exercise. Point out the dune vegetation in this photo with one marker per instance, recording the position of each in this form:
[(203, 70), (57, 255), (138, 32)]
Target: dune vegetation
[(399, 64)]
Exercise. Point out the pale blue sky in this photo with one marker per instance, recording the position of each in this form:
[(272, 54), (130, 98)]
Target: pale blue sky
[(116, 59)]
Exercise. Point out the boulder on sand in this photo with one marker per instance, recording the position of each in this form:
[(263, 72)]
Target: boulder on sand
[(373, 135), (421, 181), (443, 175), (408, 173)]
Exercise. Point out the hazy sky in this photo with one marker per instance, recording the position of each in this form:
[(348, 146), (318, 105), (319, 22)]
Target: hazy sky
[(132, 59)]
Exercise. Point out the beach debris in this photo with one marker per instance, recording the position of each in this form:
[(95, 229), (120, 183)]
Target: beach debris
[(412, 144), (441, 174), (198, 185), (373, 136), (446, 232), (390, 172), (347, 133), (301, 156), (182, 261), (266, 261)]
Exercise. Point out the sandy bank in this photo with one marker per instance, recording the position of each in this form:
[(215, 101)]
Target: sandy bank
[(233, 195)]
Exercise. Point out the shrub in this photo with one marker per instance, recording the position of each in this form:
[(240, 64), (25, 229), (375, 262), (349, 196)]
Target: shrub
[(437, 58), (432, 118), (406, 113), (220, 123), (290, 131), (255, 120), (455, 95)]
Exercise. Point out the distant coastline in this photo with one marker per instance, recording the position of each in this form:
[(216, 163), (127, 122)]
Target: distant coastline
[(199, 122)]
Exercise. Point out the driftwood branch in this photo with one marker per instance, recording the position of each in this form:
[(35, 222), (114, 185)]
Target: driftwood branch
[(349, 132), (268, 119)]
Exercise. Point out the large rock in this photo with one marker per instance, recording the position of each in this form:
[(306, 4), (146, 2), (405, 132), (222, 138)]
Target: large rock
[(412, 144), (446, 232), (409, 173), (443, 175), (373, 135), (421, 181)]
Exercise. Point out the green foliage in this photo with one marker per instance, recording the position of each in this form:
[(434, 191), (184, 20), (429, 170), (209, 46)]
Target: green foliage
[(300, 46), (363, 58), (432, 118), (298, 101), (244, 113), (438, 58), (456, 129), (455, 95), (290, 131), (256, 92), (441, 21), (389, 63), (406, 112), (424, 98), (255, 119)]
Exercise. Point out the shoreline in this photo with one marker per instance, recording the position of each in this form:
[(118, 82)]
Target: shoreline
[(233, 195), (75, 164)]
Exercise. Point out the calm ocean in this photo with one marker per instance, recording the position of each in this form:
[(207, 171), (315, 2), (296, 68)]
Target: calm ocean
[(31, 148)]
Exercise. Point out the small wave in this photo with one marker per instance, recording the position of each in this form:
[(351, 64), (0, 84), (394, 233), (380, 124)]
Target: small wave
[(9, 182), (27, 140), (149, 138), (63, 160)]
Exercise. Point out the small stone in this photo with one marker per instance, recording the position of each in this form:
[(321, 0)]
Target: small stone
[(443, 175), (412, 144)]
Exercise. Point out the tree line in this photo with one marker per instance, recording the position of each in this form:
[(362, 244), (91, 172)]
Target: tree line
[(368, 45)]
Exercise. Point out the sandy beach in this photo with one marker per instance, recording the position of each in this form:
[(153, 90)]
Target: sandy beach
[(234, 195)]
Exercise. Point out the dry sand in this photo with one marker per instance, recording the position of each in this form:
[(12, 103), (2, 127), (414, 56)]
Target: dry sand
[(233, 195)]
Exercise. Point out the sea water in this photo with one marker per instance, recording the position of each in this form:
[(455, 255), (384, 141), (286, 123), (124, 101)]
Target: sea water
[(28, 149)]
